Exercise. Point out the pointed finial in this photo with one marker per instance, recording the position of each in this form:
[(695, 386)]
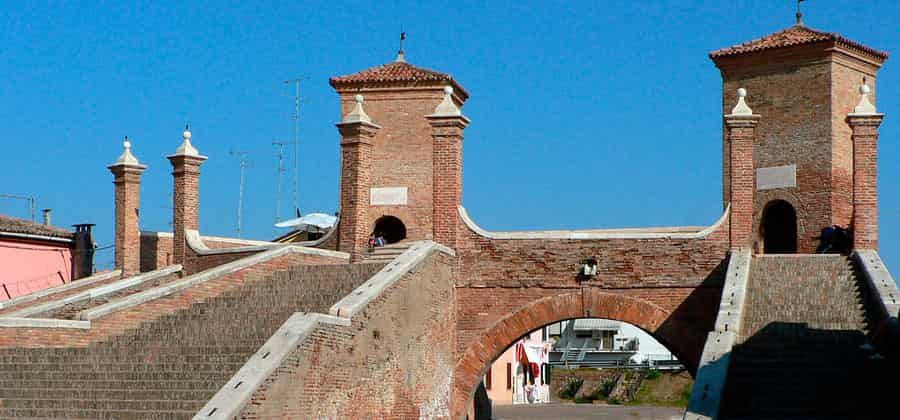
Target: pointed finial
[(799, 14), (358, 114), (741, 108), (186, 148), (400, 57), (447, 108), (126, 158), (865, 107)]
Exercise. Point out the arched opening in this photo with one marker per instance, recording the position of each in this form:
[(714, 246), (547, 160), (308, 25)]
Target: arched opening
[(584, 360), (779, 228), (390, 228), (683, 339)]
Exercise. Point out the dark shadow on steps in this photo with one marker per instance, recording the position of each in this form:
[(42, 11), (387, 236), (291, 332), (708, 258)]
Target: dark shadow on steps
[(788, 370)]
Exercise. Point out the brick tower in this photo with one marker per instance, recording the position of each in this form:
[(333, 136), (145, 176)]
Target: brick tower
[(803, 84), (391, 152)]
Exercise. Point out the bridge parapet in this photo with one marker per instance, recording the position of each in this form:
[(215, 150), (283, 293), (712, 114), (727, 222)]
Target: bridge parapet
[(710, 380)]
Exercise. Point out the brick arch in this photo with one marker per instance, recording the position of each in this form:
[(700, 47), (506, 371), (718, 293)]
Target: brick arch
[(764, 198), (587, 302)]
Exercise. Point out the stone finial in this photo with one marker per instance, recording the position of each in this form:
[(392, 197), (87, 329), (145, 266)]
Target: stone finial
[(358, 114), (447, 108), (186, 148), (741, 108), (400, 57), (127, 158), (865, 106)]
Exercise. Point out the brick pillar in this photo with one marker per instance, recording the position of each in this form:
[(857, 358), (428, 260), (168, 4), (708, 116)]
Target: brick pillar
[(127, 173), (186, 195), (357, 133), (741, 127), (447, 124), (865, 122)]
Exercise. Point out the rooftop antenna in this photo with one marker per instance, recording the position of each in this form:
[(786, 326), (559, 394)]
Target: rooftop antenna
[(244, 165), (799, 14), (280, 170), (400, 57), (29, 200), (296, 117)]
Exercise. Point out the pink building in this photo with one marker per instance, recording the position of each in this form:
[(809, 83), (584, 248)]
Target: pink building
[(36, 256), (519, 375)]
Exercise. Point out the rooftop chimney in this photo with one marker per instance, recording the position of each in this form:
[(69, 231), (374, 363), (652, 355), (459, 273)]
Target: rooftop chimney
[(47, 217)]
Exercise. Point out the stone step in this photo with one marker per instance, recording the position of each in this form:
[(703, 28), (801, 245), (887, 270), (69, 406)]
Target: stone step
[(98, 384), (80, 404), (109, 394), (77, 414)]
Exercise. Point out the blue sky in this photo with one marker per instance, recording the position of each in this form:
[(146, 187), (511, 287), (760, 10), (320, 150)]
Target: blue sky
[(584, 114)]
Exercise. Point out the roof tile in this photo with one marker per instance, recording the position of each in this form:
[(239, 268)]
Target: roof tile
[(795, 35), (15, 225)]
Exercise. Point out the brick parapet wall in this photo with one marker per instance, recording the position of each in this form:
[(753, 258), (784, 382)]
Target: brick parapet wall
[(121, 321), (395, 360)]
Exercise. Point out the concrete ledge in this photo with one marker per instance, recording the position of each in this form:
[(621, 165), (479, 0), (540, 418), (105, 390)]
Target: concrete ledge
[(682, 232), (201, 277), (195, 242), (879, 280), (62, 288), (357, 300), (239, 241), (706, 395), (320, 252), (231, 399), (97, 291), (734, 292), (43, 323)]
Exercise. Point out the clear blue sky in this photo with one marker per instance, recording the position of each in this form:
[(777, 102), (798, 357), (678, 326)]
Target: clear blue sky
[(584, 114)]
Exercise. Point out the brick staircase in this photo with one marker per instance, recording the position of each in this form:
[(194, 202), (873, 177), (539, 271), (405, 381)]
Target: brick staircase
[(169, 367), (799, 353), (387, 253)]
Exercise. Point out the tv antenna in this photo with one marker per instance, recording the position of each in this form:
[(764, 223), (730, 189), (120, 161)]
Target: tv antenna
[(242, 156), (279, 171), (296, 142)]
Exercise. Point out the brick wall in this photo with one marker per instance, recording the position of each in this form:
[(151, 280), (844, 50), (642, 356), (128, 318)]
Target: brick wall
[(394, 361), (803, 95), (402, 152)]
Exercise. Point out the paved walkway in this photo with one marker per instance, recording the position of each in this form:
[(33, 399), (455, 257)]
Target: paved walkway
[(584, 411)]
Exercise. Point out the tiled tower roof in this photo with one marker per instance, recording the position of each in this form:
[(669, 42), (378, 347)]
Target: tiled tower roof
[(393, 74), (795, 35)]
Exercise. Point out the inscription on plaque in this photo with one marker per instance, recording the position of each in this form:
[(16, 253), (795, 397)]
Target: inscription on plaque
[(776, 177), (388, 196)]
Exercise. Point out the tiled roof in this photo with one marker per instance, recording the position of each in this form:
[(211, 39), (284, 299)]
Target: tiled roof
[(393, 73), (795, 35), (589, 324), (15, 225)]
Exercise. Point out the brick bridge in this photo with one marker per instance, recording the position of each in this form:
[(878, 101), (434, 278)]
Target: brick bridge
[(216, 328)]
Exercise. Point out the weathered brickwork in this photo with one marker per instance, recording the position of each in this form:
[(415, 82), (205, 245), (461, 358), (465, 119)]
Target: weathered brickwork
[(186, 201), (447, 134), (394, 361), (740, 135), (865, 183), (803, 95), (356, 179), (402, 151), (128, 204)]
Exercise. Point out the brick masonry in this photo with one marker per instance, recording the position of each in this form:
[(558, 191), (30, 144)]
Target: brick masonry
[(803, 95), (128, 203), (394, 361)]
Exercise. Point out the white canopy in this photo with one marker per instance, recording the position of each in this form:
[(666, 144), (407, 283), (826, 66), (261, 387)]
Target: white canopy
[(314, 220)]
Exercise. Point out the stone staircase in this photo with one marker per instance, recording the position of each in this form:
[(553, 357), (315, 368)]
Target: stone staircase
[(799, 355), (169, 367), (387, 253)]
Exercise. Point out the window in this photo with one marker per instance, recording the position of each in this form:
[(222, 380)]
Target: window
[(508, 375), (487, 379)]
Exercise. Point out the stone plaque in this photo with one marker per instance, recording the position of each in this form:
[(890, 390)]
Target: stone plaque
[(388, 196), (776, 177)]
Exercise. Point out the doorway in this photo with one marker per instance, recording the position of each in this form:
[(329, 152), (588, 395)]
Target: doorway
[(779, 228), (391, 228)]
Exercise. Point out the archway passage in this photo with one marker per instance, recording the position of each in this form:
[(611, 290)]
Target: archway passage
[(391, 228), (779, 228), (684, 339)]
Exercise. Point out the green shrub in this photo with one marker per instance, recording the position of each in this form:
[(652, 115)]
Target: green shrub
[(583, 400), (571, 387), (653, 374)]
